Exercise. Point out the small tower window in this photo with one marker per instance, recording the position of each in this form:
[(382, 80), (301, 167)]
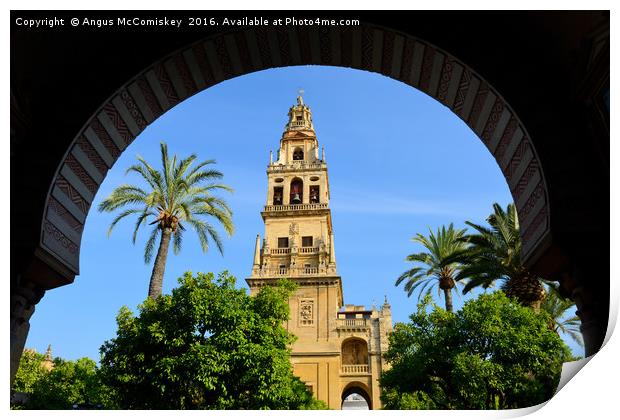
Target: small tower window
[(298, 154), (299, 118), (306, 241), (282, 242), (314, 194), (278, 193)]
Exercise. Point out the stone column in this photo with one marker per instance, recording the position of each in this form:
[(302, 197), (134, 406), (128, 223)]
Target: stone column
[(287, 191), (592, 306), (256, 263), (24, 297), (306, 190), (594, 316), (270, 187)]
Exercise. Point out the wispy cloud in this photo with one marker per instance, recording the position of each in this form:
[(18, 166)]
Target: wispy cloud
[(360, 202)]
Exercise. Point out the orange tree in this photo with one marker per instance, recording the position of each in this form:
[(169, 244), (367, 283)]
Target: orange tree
[(207, 345), (491, 354)]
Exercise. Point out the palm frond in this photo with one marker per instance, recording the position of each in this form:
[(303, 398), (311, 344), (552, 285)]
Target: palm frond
[(139, 222), (120, 217), (150, 244), (437, 261), (180, 194), (177, 241)]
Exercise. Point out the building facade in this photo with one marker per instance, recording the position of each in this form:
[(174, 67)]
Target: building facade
[(339, 348)]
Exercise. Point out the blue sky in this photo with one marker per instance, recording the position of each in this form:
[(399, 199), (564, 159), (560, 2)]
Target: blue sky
[(399, 162)]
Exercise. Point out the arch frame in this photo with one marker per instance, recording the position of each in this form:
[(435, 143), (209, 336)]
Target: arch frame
[(189, 70)]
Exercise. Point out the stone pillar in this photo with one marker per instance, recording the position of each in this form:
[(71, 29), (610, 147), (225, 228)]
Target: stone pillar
[(331, 266), (594, 316), (306, 190), (287, 191), (592, 300), (24, 297), (256, 264), (270, 194)]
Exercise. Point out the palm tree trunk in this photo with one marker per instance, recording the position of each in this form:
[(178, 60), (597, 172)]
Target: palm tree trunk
[(157, 277), (448, 295)]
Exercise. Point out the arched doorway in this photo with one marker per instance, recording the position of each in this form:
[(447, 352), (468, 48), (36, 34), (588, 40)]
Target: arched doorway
[(54, 260), (355, 396)]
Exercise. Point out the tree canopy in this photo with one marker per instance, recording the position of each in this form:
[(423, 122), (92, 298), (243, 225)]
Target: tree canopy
[(491, 354), (207, 345), (495, 254), (68, 383)]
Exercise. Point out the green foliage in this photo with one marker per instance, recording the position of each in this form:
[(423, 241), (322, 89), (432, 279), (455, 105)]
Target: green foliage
[(68, 383), (492, 354), (207, 345), (435, 266), (495, 254), (30, 371), (559, 321)]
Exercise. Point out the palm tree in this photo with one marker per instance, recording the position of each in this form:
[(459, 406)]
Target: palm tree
[(177, 196), (556, 306), (434, 268), (495, 254)]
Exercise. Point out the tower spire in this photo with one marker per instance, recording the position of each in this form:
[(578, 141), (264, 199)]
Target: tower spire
[(300, 116)]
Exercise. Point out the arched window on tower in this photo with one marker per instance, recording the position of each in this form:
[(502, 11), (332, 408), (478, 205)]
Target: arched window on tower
[(297, 188), (314, 194), (277, 196), (298, 154)]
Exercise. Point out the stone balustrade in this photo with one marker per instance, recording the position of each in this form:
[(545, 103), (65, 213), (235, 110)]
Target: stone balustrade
[(298, 165), (309, 271), (296, 271), (352, 323), (355, 369), (297, 124), (309, 250), (293, 207), (301, 250)]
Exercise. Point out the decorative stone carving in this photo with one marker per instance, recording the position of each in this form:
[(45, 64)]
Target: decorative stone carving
[(306, 312), (293, 229)]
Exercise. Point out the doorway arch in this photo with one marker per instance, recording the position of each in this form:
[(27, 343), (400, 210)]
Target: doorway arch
[(358, 388)]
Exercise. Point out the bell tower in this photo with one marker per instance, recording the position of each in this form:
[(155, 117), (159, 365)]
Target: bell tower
[(299, 245), (299, 240)]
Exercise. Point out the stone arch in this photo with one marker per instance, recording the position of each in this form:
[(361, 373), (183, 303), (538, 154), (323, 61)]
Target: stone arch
[(185, 72), (357, 387), (296, 191), (298, 153)]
